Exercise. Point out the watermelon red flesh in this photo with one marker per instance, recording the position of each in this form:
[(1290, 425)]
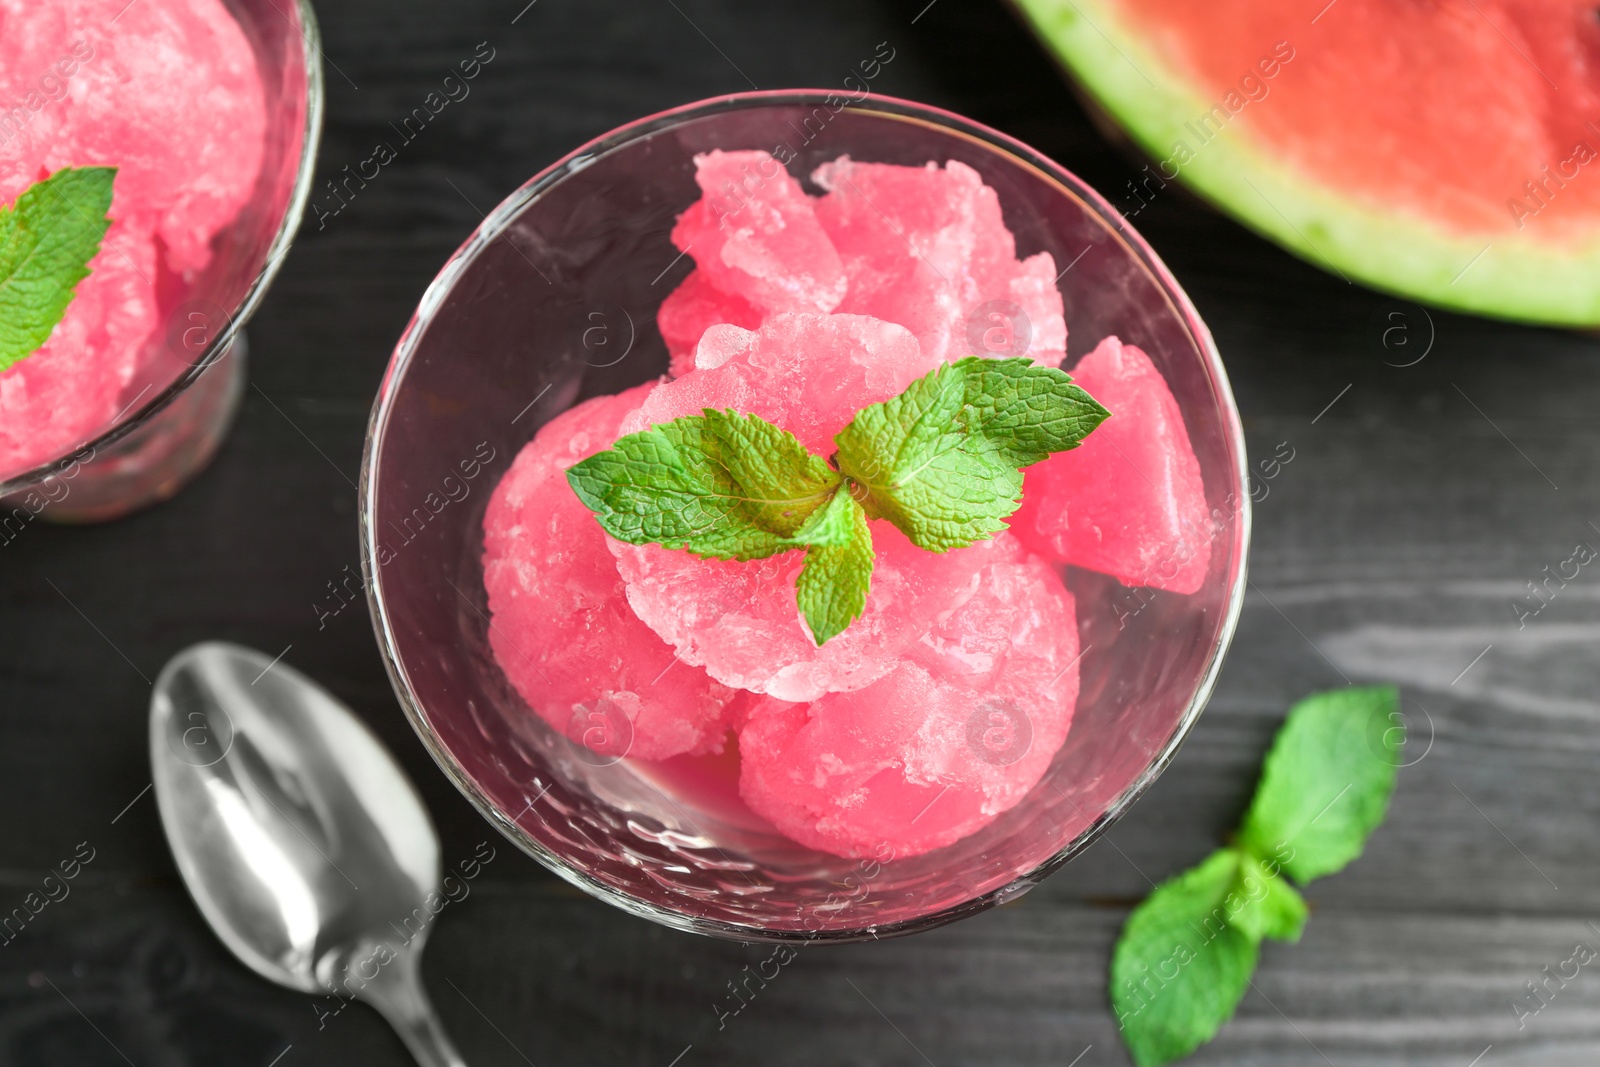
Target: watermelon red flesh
[(1480, 118), (1443, 149)]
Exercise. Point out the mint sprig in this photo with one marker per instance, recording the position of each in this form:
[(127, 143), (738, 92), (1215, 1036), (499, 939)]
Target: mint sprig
[(942, 462), (721, 484), (47, 238), (1186, 954)]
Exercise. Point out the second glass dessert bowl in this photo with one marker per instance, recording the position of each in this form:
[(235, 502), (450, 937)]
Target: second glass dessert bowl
[(553, 300), (180, 403)]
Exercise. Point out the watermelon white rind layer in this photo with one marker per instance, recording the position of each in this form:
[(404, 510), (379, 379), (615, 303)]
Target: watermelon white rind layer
[(1504, 274)]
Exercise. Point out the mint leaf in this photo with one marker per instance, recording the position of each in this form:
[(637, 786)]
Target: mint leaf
[(888, 443), (942, 486), (722, 485), (47, 239), (942, 461), (789, 484), (1180, 967), (1026, 410), (832, 587), (1327, 781), (1265, 904)]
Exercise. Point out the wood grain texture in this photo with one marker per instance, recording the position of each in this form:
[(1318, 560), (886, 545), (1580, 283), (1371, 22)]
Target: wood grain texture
[(1393, 546)]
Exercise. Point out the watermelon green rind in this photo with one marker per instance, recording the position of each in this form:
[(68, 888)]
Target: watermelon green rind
[(1509, 275)]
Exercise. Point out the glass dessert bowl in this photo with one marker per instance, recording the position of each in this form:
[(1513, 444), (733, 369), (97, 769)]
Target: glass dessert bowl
[(554, 300), (132, 393)]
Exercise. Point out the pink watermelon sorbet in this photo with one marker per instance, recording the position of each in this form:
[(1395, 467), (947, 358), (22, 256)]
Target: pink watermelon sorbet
[(169, 94), (563, 630), (1128, 501), (946, 701)]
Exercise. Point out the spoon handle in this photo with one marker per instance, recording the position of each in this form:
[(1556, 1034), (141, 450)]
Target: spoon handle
[(398, 995)]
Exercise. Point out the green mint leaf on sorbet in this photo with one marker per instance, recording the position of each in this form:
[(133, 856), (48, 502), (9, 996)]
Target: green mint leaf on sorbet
[(920, 468), (832, 587), (47, 238), (1180, 967), (722, 485), (942, 461), (1326, 783), (1025, 410), (1186, 954), (787, 484)]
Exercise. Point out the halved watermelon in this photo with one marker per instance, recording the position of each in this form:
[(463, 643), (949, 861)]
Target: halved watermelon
[(1448, 150)]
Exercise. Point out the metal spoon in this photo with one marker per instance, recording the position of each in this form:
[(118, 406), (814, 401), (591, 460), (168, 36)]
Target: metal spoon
[(300, 839)]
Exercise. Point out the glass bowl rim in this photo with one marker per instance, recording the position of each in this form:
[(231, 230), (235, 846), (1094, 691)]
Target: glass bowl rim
[(282, 241), (503, 214)]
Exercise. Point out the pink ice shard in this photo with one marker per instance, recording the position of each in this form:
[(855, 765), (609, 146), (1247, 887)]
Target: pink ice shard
[(692, 308), (808, 374), (719, 344), (926, 247), (1129, 501), (170, 95), (563, 631), (1032, 288), (961, 730), (755, 235)]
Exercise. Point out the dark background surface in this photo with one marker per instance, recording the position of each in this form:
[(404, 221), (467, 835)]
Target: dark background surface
[(1392, 547)]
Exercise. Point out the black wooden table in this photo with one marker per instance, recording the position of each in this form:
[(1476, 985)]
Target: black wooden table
[(1420, 501)]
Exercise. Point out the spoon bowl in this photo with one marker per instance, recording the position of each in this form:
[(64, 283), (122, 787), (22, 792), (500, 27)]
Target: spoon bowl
[(300, 839)]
